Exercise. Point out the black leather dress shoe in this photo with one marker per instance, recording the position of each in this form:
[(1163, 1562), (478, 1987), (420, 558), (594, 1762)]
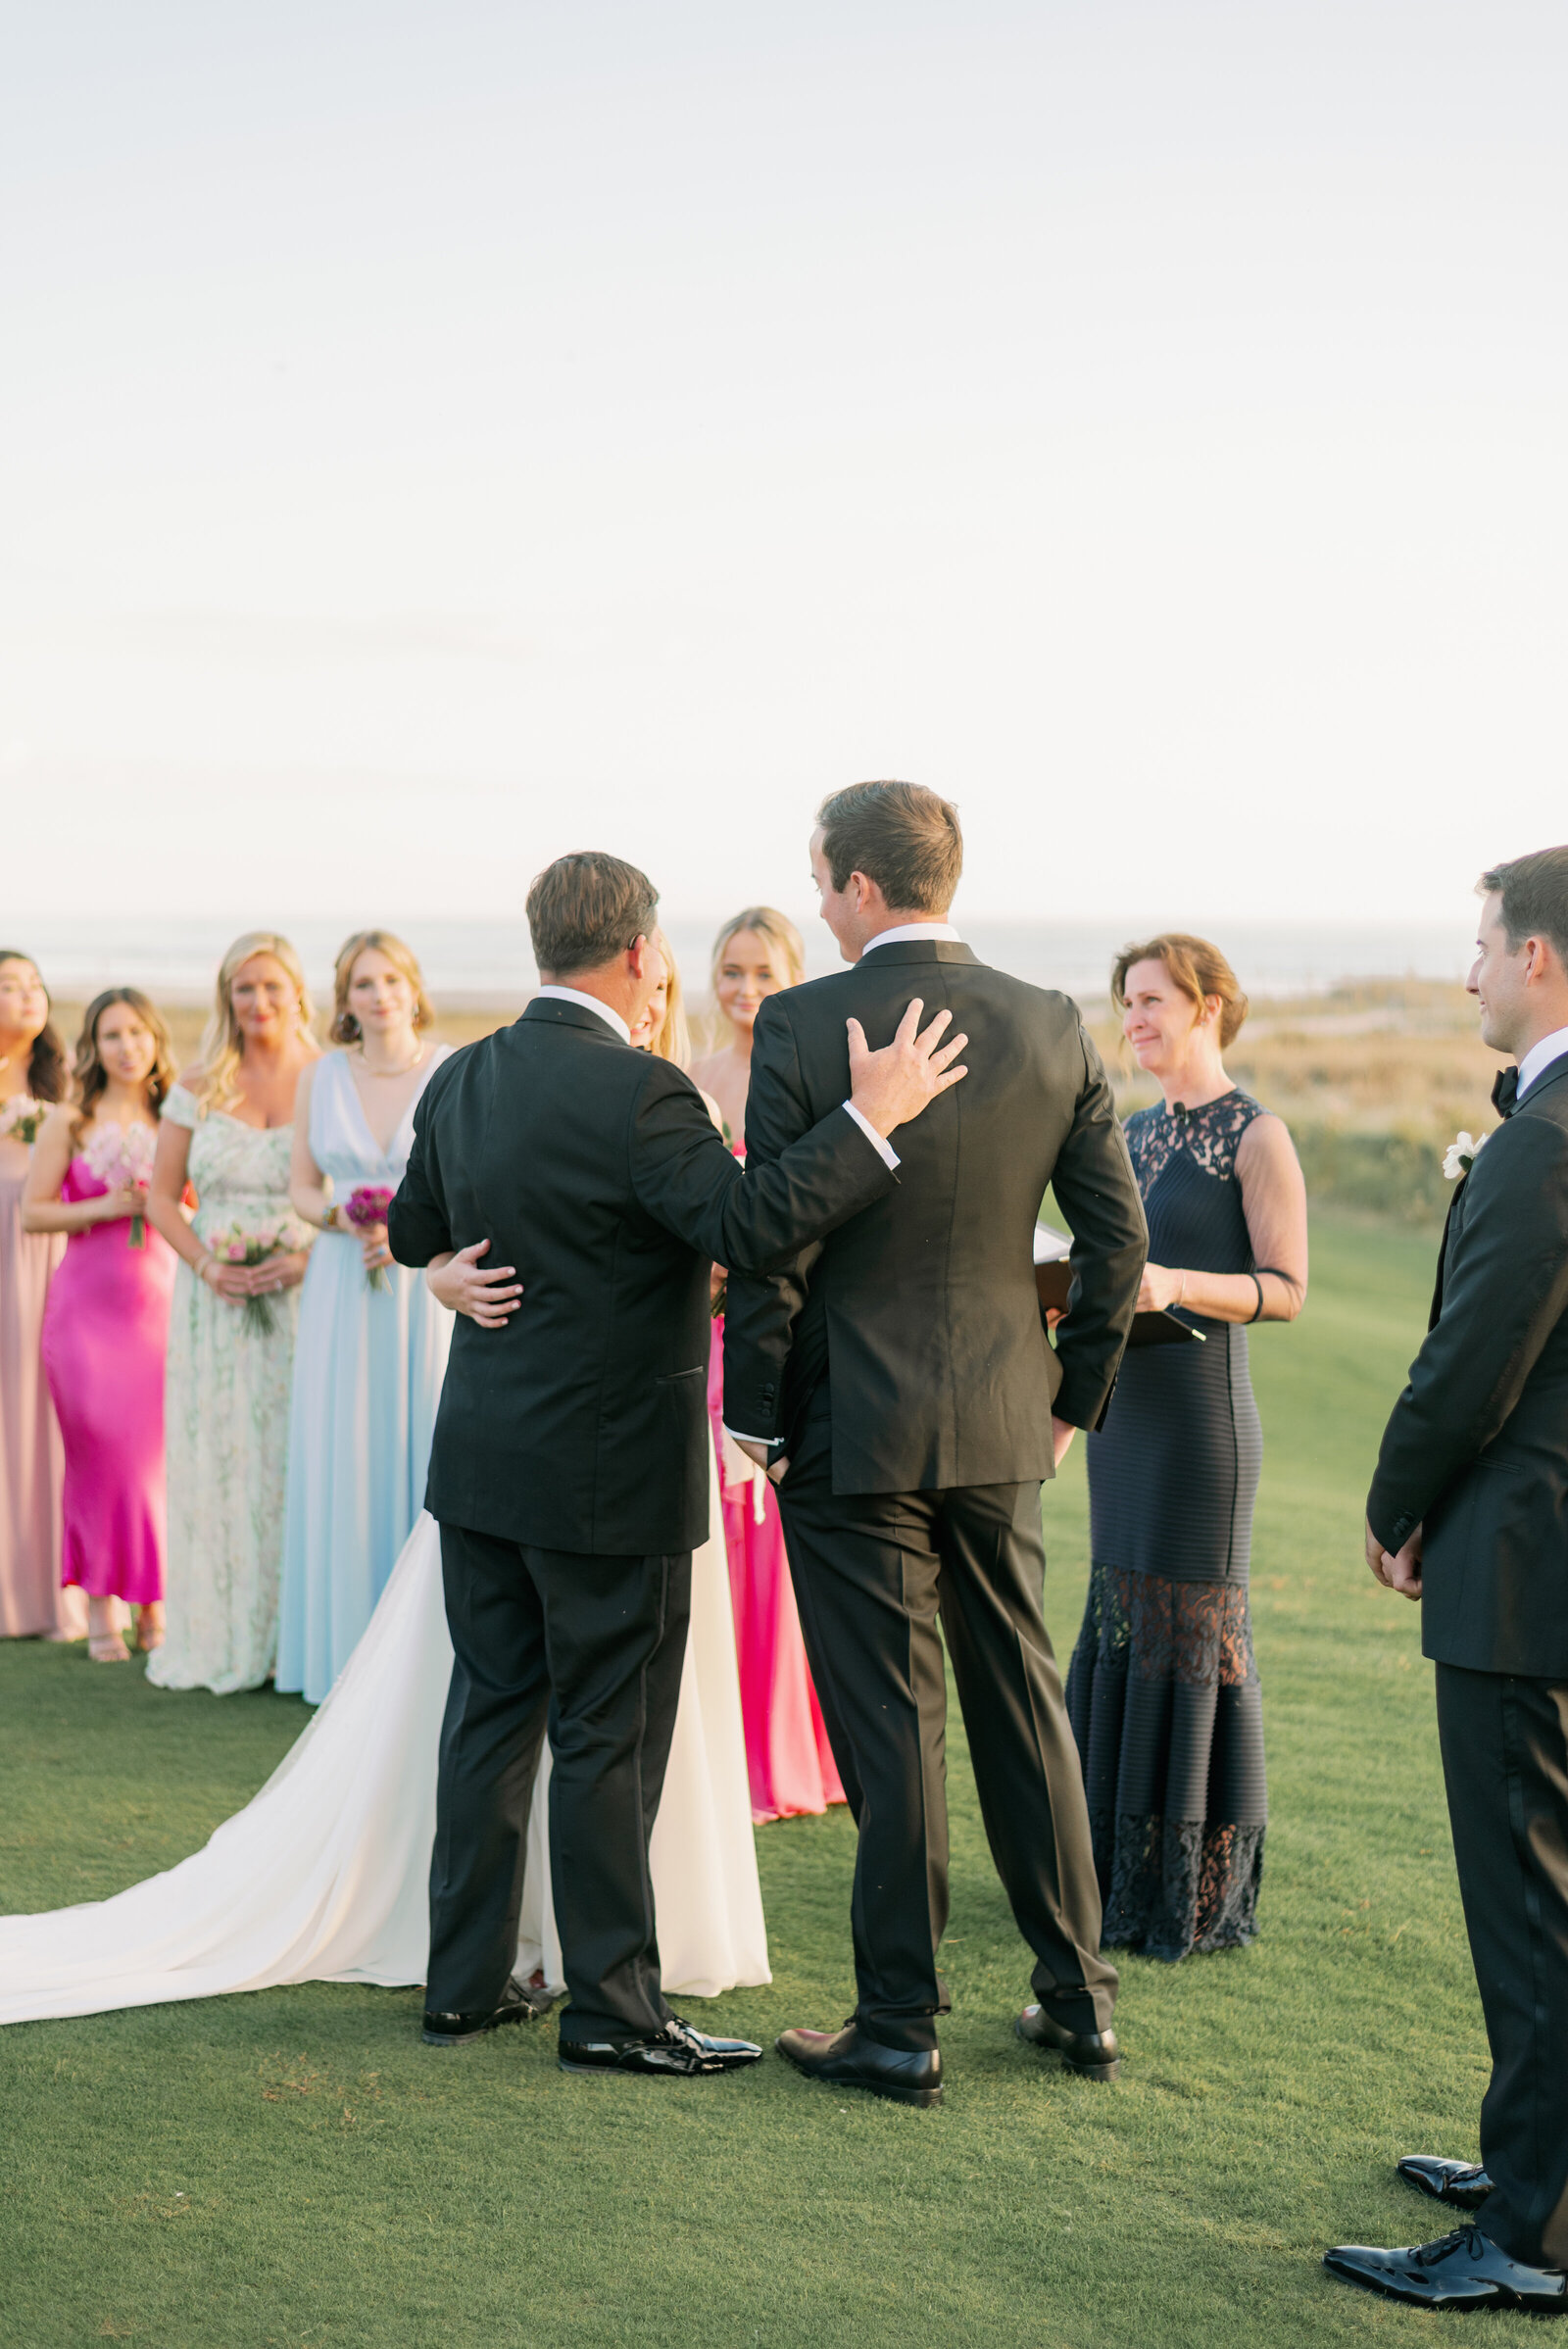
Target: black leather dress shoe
[(521, 2002), (1463, 2185), (1463, 2269), (1093, 2054), (845, 2059), (677, 2052)]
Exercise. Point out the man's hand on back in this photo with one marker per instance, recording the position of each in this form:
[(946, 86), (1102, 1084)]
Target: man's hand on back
[(891, 1087), (489, 1296)]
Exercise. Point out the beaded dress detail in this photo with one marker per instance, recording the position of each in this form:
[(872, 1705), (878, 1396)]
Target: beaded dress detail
[(1162, 1689)]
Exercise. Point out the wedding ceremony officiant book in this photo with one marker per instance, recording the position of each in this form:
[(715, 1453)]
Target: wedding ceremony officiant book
[(1054, 1282)]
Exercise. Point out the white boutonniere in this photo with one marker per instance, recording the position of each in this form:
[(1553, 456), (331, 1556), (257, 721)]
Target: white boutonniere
[(1462, 1154)]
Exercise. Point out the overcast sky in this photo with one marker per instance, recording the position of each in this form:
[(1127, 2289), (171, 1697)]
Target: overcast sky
[(436, 437)]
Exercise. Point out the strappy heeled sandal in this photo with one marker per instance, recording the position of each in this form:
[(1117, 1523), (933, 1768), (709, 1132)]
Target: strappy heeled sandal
[(149, 1634), (111, 1648)]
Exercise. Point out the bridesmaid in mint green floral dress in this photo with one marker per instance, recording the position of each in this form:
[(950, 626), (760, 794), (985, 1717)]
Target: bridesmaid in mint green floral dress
[(228, 1129)]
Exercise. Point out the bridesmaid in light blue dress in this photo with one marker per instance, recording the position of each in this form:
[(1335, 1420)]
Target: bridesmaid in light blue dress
[(371, 1349)]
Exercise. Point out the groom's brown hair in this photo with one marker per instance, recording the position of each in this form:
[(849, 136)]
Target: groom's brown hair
[(1534, 891), (585, 910), (901, 836)]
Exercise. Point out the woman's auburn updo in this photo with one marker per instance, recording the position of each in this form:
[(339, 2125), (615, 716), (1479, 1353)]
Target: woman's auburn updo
[(1197, 968)]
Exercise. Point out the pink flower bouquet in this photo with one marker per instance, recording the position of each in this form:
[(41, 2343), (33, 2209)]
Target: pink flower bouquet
[(121, 1157), (253, 1243), (366, 1207), (21, 1118)]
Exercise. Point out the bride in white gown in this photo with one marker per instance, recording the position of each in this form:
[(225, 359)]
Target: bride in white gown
[(325, 1876)]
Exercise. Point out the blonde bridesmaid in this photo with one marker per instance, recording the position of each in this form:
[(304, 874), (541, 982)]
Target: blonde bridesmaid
[(228, 1129), (787, 1752), (372, 1342)]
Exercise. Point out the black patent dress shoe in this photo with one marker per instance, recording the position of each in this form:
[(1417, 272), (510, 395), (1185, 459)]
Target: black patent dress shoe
[(1092, 2054), (1463, 2269), (676, 2052), (846, 2059), (521, 2002), (1463, 2185)]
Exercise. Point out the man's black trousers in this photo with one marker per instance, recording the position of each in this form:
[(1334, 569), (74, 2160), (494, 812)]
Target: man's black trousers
[(1505, 1763), (594, 1646), (871, 1572)]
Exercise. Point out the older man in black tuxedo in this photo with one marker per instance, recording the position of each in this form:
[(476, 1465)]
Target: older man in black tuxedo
[(572, 1454), (1468, 1513), (899, 1380)]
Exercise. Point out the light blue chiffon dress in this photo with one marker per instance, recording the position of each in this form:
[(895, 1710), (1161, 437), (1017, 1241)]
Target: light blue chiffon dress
[(368, 1371)]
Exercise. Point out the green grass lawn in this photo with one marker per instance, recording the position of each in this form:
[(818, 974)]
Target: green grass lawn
[(295, 2167)]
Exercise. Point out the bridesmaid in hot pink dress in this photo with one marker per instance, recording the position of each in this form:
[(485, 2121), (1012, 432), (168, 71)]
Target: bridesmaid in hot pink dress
[(787, 1751), (106, 1326)]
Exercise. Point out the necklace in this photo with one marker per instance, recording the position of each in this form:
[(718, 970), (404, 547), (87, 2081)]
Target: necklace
[(406, 1070)]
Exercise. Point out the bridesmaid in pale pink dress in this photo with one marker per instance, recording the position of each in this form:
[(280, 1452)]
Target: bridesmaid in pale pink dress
[(106, 1328), (787, 1750), (32, 1074)]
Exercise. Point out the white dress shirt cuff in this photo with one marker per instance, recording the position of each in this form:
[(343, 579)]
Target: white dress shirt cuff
[(736, 1436), (885, 1149)]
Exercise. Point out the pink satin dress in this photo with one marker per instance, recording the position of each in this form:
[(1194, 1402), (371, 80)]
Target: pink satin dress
[(788, 1759), (105, 1336), (33, 1604)]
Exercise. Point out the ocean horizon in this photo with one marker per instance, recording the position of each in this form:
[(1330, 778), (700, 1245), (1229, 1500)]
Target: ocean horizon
[(490, 962)]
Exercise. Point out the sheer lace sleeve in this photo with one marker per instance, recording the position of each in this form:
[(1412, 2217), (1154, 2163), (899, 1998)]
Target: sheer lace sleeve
[(1274, 1201)]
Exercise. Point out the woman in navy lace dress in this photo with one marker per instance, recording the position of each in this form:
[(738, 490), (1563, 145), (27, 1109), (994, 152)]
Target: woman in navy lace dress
[(1163, 1689)]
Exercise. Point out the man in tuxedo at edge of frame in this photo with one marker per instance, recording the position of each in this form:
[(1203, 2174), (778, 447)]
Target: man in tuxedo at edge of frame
[(1468, 1513), (570, 1470), (897, 1380)]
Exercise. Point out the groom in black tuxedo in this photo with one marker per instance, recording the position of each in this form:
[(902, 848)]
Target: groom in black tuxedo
[(572, 1454), (897, 1379), (1468, 1513)]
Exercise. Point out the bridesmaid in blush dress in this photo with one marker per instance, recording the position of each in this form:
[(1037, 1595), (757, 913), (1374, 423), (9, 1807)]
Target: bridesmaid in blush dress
[(106, 1326), (32, 1076), (787, 1750)]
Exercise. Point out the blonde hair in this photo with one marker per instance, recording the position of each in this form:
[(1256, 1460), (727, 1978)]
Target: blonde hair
[(779, 931), (674, 1039), (222, 1046), (1196, 969), (345, 1027)]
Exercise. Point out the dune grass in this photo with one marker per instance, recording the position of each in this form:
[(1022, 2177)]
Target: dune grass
[(294, 2167)]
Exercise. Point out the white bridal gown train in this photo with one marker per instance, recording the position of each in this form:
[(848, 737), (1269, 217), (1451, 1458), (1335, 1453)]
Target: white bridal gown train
[(323, 1876)]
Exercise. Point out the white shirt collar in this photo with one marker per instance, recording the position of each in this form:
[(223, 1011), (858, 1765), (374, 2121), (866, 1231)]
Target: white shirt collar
[(588, 1002), (907, 932), (1539, 1058)]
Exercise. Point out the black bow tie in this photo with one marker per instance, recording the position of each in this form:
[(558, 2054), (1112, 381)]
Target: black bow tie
[(1506, 1091)]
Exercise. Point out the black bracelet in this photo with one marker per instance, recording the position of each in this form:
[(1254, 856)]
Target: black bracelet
[(1258, 1286)]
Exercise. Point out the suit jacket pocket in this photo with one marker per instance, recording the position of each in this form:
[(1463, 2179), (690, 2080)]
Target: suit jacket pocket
[(683, 1430)]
